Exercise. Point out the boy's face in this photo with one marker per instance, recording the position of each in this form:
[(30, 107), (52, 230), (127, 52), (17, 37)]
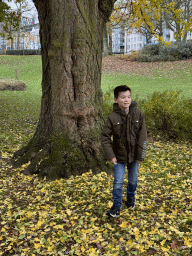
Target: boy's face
[(124, 100)]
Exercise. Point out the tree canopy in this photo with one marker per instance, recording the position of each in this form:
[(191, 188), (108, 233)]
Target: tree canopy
[(153, 15), (11, 17)]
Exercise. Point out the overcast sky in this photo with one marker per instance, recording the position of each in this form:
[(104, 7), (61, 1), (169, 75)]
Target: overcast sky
[(32, 10)]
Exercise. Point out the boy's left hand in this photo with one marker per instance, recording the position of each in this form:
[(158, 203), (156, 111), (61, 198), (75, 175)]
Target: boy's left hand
[(139, 162)]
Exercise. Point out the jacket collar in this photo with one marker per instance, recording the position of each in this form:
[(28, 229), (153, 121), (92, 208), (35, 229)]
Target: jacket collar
[(118, 110)]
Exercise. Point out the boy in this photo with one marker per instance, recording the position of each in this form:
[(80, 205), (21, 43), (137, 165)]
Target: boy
[(127, 126)]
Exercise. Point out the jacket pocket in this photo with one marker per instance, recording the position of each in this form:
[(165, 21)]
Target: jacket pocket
[(134, 127), (117, 129)]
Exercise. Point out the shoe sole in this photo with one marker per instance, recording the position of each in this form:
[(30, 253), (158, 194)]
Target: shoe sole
[(130, 207), (114, 216)]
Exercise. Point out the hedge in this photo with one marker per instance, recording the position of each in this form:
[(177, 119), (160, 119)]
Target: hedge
[(24, 52), (161, 52)]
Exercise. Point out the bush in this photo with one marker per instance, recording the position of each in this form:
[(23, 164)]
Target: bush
[(168, 115), (12, 85), (107, 103), (2, 52), (160, 52), (150, 49), (24, 52), (131, 56)]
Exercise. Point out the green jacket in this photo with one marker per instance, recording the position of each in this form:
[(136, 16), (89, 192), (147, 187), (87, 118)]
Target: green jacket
[(129, 134)]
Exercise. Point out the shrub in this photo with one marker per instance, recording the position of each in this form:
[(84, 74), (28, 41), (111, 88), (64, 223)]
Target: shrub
[(12, 85), (24, 52), (160, 52), (168, 115), (107, 103), (2, 52), (150, 49), (131, 56), (144, 58)]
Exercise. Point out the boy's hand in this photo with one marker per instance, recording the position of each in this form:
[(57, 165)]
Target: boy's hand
[(139, 162), (114, 160)]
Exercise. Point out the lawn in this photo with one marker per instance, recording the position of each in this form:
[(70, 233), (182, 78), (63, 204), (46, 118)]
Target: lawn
[(146, 78), (67, 217)]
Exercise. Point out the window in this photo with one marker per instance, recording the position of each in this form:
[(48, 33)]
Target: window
[(168, 37)]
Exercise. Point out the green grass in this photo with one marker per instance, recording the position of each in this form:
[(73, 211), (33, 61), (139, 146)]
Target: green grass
[(146, 78), (19, 110), (143, 86), (25, 68)]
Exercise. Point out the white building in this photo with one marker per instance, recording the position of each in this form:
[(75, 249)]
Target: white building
[(134, 41), (126, 42)]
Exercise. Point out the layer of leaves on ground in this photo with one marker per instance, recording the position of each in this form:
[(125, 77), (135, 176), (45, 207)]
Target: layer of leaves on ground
[(119, 64), (40, 217)]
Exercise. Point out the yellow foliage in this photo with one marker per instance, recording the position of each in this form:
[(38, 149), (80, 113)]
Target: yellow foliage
[(123, 225), (37, 246), (78, 222)]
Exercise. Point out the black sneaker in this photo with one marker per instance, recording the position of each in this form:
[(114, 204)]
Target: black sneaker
[(114, 212), (130, 202)]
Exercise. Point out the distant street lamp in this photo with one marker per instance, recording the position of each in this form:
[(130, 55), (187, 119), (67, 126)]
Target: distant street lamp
[(23, 35)]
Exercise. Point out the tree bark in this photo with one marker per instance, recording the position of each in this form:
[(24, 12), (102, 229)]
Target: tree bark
[(105, 42), (67, 138)]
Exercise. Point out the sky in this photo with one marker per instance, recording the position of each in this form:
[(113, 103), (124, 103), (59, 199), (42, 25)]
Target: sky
[(31, 9)]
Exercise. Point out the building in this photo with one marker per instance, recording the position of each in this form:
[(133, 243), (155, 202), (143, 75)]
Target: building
[(25, 37), (125, 42), (134, 41)]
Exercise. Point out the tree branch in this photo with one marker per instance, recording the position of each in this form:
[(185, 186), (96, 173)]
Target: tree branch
[(106, 7)]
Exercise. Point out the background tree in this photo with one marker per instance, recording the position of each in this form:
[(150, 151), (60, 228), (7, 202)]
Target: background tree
[(121, 15), (179, 18), (11, 17), (151, 17), (67, 138)]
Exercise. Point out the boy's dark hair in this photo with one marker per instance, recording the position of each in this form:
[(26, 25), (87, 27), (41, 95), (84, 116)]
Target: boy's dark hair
[(120, 88)]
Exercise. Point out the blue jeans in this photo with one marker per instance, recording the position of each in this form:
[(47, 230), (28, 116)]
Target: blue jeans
[(119, 172)]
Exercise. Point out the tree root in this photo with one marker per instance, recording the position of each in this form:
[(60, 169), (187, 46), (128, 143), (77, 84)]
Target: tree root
[(60, 157), (27, 153)]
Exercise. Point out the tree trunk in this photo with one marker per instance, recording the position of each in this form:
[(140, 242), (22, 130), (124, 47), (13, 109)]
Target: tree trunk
[(105, 42), (178, 32), (110, 44), (67, 138), (18, 38)]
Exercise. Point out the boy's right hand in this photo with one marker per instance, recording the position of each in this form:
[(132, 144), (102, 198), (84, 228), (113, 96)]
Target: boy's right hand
[(114, 160)]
